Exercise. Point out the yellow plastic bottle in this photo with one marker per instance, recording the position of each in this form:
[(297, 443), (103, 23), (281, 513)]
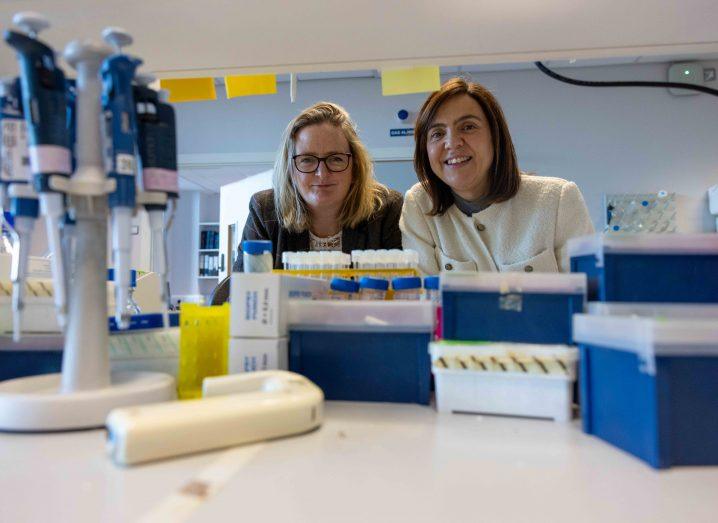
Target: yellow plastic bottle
[(204, 339)]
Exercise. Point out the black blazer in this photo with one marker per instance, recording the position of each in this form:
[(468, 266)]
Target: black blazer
[(381, 231)]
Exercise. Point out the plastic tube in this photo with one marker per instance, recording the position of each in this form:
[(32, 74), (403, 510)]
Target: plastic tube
[(407, 288), (257, 255), (342, 289), (372, 288)]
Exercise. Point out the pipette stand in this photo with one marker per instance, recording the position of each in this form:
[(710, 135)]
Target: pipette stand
[(86, 391)]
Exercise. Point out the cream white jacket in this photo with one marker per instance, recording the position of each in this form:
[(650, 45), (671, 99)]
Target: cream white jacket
[(526, 233)]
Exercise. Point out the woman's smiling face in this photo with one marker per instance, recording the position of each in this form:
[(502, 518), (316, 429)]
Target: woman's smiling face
[(460, 147), (322, 189)]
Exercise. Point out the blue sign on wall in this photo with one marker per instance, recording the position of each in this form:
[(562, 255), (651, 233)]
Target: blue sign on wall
[(407, 131)]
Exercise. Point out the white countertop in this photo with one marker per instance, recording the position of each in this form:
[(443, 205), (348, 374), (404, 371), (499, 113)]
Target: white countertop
[(368, 462)]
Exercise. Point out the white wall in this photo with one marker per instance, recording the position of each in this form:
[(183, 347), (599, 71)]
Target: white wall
[(234, 209), (183, 243), (606, 140)]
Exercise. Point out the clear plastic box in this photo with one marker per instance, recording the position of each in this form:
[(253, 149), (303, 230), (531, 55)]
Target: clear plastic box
[(505, 378)]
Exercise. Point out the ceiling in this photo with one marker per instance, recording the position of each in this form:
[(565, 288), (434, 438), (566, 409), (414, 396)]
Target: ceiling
[(183, 38)]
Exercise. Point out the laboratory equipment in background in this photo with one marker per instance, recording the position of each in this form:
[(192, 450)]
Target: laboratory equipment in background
[(331, 263), (648, 380), (5, 233), (235, 410), (145, 346), (130, 306), (45, 109), (157, 145), (511, 379), (40, 315), (14, 155), (315, 260), (363, 350), (511, 306), (204, 337), (118, 72), (648, 267), (641, 213), (86, 390), (385, 259), (257, 255), (16, 192)]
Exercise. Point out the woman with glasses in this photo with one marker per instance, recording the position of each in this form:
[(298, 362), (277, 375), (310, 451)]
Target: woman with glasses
[(325, 196), (473, 209)]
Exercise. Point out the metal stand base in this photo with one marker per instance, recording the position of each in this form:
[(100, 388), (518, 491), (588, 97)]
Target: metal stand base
[(35, 404)]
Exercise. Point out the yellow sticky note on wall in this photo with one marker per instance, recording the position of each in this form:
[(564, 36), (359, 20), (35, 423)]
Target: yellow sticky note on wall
[(410, 80), (248, 85), (189, 89)]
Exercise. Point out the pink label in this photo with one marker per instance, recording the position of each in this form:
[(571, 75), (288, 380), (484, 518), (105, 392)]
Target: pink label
[(155, 179), (438, 330), (50, 159)]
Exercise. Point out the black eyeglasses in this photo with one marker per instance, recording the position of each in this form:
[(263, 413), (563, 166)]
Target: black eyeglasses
[(308, 163)]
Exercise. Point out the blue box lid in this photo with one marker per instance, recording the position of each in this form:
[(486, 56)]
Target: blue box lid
[(650, 336), (674, 243), (362, 316), (514, 282)]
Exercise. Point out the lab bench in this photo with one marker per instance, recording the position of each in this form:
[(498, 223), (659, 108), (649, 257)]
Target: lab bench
[(368, 462)]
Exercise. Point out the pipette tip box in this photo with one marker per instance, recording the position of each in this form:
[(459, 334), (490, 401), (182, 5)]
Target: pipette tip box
[(144, 346), (510, 379), (648, 384), (364, 350), (511, 306), (678, 268)]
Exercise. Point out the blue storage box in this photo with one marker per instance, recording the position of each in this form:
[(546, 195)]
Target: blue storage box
[(679, 268), (42, 353), (511, 306), (363, 350), (649, 385)]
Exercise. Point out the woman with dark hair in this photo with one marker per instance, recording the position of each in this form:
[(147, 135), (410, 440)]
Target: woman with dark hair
[(473, 209)]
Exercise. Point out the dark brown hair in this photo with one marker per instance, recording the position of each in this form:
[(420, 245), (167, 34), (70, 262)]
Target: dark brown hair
[(504, 176)]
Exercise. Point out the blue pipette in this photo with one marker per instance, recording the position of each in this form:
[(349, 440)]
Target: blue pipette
[(45, 106), (118, 71), (157, 143), (17, 191)]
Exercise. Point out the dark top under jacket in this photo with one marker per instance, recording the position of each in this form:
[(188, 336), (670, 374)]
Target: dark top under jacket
[(381, 231)]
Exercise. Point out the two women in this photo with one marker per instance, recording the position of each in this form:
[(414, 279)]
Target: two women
[(472, 210)]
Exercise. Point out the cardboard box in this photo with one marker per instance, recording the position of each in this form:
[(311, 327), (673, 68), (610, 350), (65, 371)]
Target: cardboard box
[(259, 302), (251, 354)]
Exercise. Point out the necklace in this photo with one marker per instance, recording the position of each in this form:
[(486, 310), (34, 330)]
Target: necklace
[(332, 243)]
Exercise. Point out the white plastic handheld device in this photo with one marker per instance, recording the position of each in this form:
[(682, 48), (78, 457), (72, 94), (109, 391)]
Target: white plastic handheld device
[(235, 410)]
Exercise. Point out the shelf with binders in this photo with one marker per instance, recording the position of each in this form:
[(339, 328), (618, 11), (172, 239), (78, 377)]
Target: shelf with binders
[(209, 258)]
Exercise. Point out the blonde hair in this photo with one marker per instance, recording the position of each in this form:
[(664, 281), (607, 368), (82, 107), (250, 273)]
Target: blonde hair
[(365, 193)]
